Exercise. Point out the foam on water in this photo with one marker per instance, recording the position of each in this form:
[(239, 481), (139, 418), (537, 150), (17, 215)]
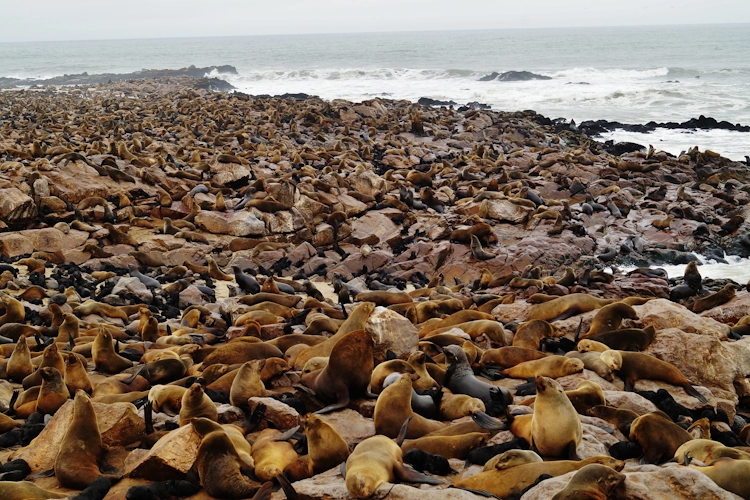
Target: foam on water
[(736, 268)]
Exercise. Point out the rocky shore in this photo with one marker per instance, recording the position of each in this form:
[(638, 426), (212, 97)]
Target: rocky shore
[(192, 225)]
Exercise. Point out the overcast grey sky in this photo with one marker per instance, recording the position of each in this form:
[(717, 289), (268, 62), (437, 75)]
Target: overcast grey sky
[(42, 20)]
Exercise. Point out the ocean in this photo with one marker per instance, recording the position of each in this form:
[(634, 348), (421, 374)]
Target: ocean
[(626, 74)]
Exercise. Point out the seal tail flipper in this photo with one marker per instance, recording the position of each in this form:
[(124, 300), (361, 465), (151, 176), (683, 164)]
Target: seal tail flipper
[(342, 470), (578, 331), (402, 432), (697, 395), (486, 422), (481, 493), (286, 485), (406, 473)]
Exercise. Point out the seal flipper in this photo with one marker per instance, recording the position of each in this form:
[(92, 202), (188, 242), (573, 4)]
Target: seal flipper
[(286, 485), (480, 493), (486, 422), (288, 434), (342, 470), (693, 392), (343, 402), (402, 432), (406, 473), (572, 451)]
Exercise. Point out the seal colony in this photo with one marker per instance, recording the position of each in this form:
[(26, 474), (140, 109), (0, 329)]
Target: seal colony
[(314, 299)]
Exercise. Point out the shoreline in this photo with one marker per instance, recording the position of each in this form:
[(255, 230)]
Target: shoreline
[(157, 210)]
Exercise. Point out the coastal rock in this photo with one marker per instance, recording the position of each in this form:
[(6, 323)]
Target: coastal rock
[(134, 286), (351, 425), (732, 311), (16, 206), (629, 401), (14, 244), (513, 76), (373, 224), (236, 224), (391, 332), (119, 425), (663, 314), (280, 415), (507, 211), (171, 457)]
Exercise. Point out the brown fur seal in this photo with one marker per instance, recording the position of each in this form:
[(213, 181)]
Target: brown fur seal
[(567, 306), (507, 357), (347, 373), (356, 321), (610, 318), (593, 361), (707, 450), (729, 474), (272, 453), (555, 427), (584, 397), (531, 333), (477, 251), (221, 471), (384, 298), (393, 408), (50, 357), (658, 436), (384, 369), (715, 299), (636, 366), (78, 462), (628, 339), (455, 406), (92, 307), (240, 352), (106, 360), (417, 359), (513, 481), (19, 365), (25, 490), (247, 383), (14, 311), (550, 366), (375, 461), (593, 482), (454, 319), (119, 237), (620, 418), (325, 449), (53, 393), (510, 459), (196, 404), (447, 446)]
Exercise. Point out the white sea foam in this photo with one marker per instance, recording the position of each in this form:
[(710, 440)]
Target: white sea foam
[(736, 268)]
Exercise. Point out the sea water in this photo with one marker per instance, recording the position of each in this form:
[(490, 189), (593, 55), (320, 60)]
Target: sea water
[(627, 74)]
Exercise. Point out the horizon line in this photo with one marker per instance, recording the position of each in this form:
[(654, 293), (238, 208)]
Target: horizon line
[(376, 32)]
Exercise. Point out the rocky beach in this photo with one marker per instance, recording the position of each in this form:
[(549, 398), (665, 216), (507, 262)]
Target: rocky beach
[(265, 251)]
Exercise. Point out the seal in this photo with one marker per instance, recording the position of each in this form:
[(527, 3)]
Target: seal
[(633, 366), (53, 393), (384, 369), (550, 366), (707, 451), (14, 311), (619, 417), (78, 462), (454, 319), (248, 383), (511, 482), (220, 469), (417, 360), (240, 352), (566, 306), (584, 397), (93, 307), (658, 436), (610, 318), (593, 482), (477, 251), (375, 461), (555, 427), (460, 379), (447, 446), (510, 459), (627, 339), (593, 360), (394, 407), (530, 334), (715, 299), (25, 490), (106, 360), (729, 474), (507, 357), (325, 449), (19, 365), (347, 373), (195, 403), (272, 453)]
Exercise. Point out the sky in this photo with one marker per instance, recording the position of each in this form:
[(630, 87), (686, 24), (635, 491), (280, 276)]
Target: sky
[(52, 20)]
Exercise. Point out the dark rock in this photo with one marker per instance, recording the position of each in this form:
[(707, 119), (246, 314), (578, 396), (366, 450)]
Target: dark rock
[(513, 76)]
